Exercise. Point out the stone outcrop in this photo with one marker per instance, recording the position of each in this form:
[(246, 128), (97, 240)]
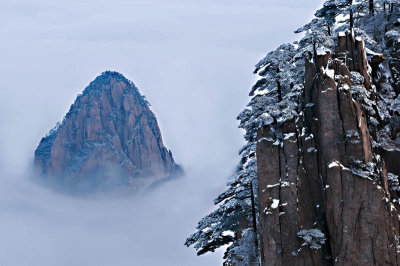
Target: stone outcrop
[(323, 190), (109, 138)]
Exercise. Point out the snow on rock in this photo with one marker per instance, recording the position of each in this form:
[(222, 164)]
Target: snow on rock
[(275, 203)]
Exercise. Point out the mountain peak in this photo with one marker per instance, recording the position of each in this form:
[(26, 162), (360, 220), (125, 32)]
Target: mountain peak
[(109, 137)]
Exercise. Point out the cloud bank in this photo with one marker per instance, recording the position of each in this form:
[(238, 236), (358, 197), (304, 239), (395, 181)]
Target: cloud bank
[(193, 62)]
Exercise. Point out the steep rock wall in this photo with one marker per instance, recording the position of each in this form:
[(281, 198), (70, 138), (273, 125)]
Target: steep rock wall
[(322, 186)]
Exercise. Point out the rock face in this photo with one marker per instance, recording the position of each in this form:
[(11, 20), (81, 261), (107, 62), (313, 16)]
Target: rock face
[(109, 137), (323, 189), (318, 178)]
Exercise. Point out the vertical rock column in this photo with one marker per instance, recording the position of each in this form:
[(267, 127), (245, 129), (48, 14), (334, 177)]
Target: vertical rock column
[(322, 174)]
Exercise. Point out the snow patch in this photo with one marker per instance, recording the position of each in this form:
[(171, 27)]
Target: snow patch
[(330, 73), (228, 233), (275, 203), (285, 184), (337, 164), (289, 135), (333, 164)]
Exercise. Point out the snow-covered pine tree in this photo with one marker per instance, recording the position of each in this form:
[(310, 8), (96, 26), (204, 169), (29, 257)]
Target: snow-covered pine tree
[(235, 216), (331, 10), (277, 97)]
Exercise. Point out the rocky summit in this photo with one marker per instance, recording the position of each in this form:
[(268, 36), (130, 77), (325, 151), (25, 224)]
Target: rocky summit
[(109, 138)]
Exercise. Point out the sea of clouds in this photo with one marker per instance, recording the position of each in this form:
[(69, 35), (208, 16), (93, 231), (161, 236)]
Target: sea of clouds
[(191, 59)]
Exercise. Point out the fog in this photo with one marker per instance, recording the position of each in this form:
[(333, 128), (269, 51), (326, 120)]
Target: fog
[(193, 60)]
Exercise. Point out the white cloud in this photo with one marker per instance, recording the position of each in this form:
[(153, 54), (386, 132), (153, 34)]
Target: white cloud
[(192, 60)]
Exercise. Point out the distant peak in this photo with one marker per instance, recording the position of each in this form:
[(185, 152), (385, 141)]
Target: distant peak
[(108, 138)]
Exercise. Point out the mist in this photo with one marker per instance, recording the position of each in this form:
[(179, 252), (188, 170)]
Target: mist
[(193, 60)]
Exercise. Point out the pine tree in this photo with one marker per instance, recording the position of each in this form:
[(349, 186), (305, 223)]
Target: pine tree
[(331, 10)]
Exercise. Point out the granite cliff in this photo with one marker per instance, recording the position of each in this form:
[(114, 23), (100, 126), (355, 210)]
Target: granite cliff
[(318, 180), (109, 138), (328, 174)]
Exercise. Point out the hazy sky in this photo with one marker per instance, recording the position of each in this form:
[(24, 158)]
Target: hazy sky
[(193, 60)]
